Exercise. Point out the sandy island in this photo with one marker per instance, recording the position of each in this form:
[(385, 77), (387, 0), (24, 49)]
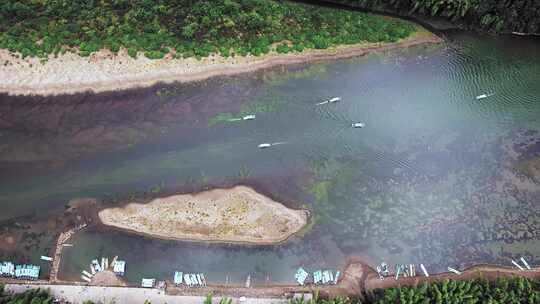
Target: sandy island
[(236, 215), (104, 71)]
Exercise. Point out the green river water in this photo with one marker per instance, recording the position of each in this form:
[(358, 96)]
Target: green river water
[(436, 176)]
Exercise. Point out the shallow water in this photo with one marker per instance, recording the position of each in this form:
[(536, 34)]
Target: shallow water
[(435, 177)]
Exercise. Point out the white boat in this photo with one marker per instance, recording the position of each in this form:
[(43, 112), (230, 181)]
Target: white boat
[(86, 273), (85, 278), (358, 125), (248, 281), (114, 261), (331, 100), (203, 279), (92, 269), (517, 265), (96, 265), (454, 270), (194, 279), (336, 278), (248, 117), (525, 263), (103, 264), (424, 270), (482, 96), (264, 146), (46, 258), (187, 279)]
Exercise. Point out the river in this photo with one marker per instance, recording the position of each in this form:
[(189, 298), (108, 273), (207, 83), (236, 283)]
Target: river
[(436, 176)]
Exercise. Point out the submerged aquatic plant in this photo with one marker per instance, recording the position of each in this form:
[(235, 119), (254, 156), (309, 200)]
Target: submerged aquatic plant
[(220, 118), (320, 190), (244, 172)]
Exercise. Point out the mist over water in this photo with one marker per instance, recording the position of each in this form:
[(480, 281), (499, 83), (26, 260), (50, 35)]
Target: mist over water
[(437, 176)]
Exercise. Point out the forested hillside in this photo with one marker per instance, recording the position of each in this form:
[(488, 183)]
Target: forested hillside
[(491, 15), (185, 28)]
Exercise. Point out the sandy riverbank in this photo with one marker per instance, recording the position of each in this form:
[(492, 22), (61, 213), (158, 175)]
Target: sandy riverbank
[(236, 215), (104, 71)]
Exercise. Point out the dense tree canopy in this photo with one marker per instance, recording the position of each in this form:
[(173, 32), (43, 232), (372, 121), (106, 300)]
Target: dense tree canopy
[(492, 15), (184, 27), (32, 296)]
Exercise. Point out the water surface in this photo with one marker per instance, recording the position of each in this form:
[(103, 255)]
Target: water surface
[(436, 176)]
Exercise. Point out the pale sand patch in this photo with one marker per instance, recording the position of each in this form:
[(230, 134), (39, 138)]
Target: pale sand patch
[(239, 214), (107, 278), (104, 71)]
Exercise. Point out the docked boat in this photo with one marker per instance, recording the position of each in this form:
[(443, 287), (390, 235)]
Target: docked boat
[(301, 276), (525, 263), (517, 265), (454, 270), (86, 273), (46, 258), (424, 270)]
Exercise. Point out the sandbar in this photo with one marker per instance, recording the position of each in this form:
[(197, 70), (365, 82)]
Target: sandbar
[(235, 215)]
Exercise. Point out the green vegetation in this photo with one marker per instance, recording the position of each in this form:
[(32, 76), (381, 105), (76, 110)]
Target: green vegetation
[(514, 290), (493, 15), (517, 290), (267, 104), (501, 291), (32, 296), (185, 28)]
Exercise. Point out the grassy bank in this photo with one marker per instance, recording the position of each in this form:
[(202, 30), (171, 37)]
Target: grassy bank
[(185, 28)]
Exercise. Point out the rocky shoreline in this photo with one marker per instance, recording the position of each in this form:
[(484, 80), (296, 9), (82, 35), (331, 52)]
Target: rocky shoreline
[(103, 71)]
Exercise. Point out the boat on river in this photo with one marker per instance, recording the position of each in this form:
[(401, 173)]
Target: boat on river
[(482, 96), (331, 100), (358, 125), (264, 146), (268, 145)]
